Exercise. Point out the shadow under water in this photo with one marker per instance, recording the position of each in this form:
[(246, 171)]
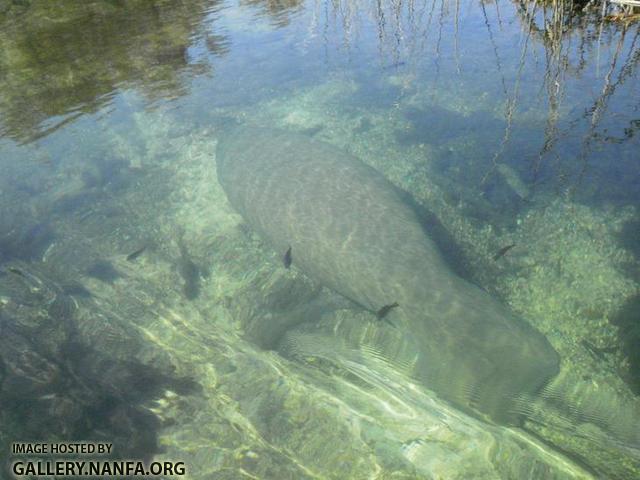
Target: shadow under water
[(58, 384)]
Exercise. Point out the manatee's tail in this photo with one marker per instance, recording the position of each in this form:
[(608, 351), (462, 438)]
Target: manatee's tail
[(594, 425)]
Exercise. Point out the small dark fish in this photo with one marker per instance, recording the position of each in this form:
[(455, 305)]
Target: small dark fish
[(385, 310), (132, 256), (104, 271), (190, 273), (16, 271), (287, 258), (598, 352), (503, 251), (76, 289)]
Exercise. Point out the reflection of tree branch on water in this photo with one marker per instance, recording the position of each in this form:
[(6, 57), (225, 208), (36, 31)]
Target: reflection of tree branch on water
[(440, 25), (427, 27), (557, 58), (555, 27), (279, 11), (628, 68), (511, 102), (598, 110), (402, 27), (596, 113), (493, 44), (566, 32)]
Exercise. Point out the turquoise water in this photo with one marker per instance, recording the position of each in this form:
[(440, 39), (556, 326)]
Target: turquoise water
[(138, 308)]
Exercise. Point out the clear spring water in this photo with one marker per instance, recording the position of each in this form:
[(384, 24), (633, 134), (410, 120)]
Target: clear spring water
[(151, 314)]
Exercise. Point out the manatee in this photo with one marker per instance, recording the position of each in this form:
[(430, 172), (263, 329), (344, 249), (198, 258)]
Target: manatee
[(353, 231)]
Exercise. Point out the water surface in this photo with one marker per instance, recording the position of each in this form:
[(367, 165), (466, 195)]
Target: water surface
[(154, 318)]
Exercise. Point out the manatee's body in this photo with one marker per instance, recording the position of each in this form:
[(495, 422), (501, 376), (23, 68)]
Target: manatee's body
[(349, 228)]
